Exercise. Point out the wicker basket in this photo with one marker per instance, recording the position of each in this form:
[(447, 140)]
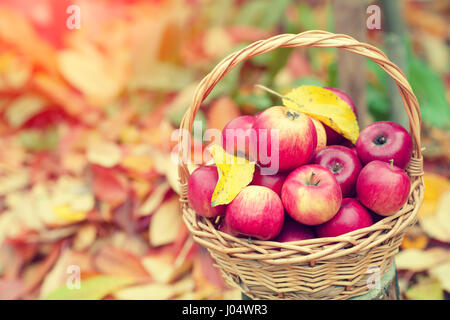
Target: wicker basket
[(322, 268)]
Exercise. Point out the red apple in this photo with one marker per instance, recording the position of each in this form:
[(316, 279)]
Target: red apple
[(286, 138), (237, 137), (311, 194), (294, 231), (272, 181), (385, 140), (343, 163), (201, 185), (321, 134), (256, 212), (383, 187), (332, 136), (351, 216)]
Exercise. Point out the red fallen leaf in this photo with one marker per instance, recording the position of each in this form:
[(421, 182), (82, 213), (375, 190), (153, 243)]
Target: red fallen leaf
[(11, 289), (118, 262), (109, 185)]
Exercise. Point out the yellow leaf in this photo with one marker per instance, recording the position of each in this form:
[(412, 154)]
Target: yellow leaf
[(325, 106), (66, 213), (23, 108), (234, 174)]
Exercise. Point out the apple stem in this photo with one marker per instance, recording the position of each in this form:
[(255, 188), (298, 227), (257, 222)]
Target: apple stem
[(392, 163), (311, 180)]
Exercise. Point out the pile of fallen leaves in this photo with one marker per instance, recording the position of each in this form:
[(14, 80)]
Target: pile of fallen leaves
[(88, 190)]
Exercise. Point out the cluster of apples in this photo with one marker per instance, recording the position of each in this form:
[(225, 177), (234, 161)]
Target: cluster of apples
[(325, 186)]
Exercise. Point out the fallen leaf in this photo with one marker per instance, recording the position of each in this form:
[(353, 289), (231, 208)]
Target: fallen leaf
[(442, 273), (163, 269), (165, 223), (325, 106), (420, 260), (105, 154), (93, 288), (14, 181), (90, 72), (437, 226), (435, 186), (109, 185), (23, 108), (119, 262), (154, 199), (234, 175), (85, 237), (36, 273)]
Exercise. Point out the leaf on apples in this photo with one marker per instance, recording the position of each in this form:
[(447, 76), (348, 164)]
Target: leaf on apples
[(325, 106), (235, 173)]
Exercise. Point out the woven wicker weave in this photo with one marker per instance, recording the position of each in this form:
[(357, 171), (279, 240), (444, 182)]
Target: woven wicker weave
[(321, 268)]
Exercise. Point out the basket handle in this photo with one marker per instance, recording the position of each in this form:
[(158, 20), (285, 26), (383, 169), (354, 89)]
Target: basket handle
[(313, 38)]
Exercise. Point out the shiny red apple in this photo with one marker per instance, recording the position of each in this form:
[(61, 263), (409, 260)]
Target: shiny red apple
[(311, 194), (286, 138), (343, 163), (201, 185), (294, 231), (332, 136), (383, 187), (237, 137), (351, 216), (271, 181), (256, 212), (385, 140)]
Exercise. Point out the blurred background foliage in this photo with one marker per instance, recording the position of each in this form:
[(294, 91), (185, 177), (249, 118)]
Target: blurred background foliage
[(86, 130)]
